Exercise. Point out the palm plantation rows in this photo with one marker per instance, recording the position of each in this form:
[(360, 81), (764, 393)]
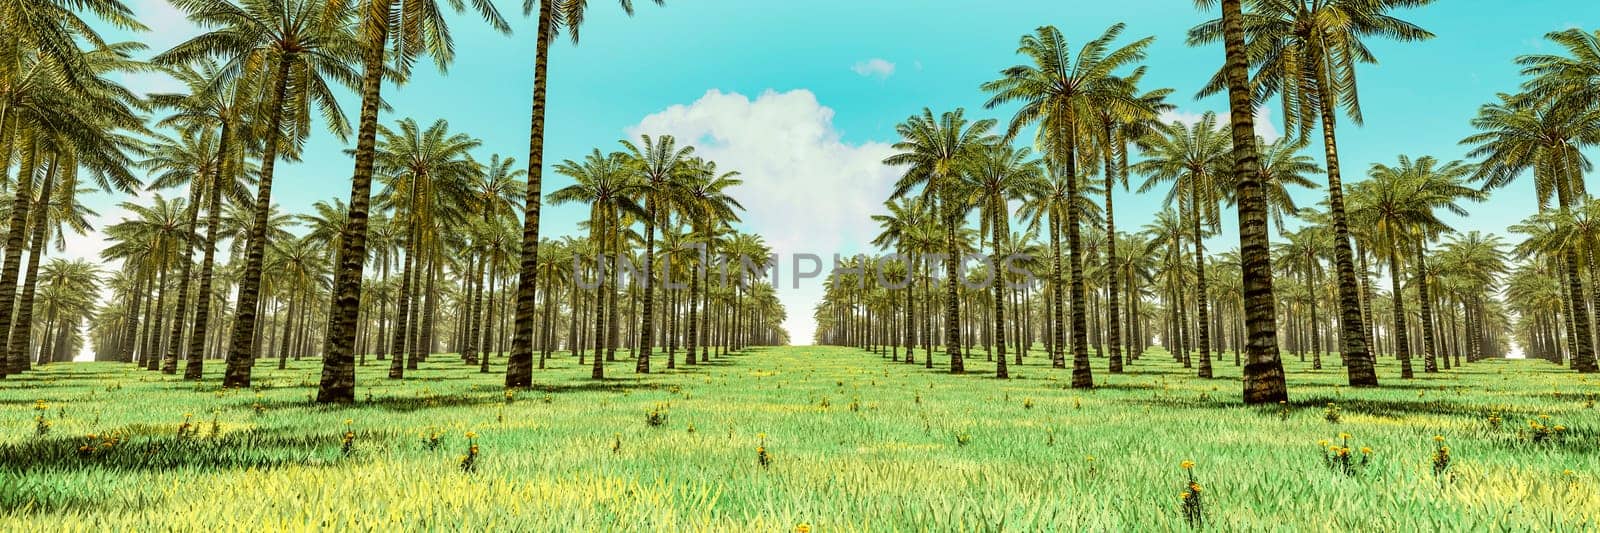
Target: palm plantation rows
[(1450, 296), (345, 354), (432, 260)]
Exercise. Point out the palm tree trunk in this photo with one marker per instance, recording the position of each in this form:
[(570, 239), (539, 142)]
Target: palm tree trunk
[(1057, 294), (15, 244), (647, 338), (1263, 370), (1402, 348), (997, 227), (488, 320), (175, 340), (952, 304), (152, 357), (194, 368), (21, 337), (1425, 303), (397, 365), (1202, 311), (1358, 357), (1113, 307), (244, 320), (430, 311), (519, 365), (1082, 376)]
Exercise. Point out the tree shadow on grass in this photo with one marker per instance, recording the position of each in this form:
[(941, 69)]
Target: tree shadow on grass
[(151, 448)]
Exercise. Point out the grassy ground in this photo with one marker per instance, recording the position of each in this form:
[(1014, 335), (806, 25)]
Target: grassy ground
[(855, 442)]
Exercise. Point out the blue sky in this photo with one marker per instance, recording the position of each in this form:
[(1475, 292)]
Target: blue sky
[(802, 97)]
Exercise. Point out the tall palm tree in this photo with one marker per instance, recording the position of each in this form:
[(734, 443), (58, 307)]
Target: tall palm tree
[(1308, 51), (554, 17), (1263, 371), (212, 101), (59, 120), (1192, 160), (416, 28), (305, 44), (709, 208), (1059, 93), (1398, 204), (999, 174), (1573, 79), (936, 153), (426, 174), (190, 162), (1117, 127), (608, 184), (661, 165), (497, 194)]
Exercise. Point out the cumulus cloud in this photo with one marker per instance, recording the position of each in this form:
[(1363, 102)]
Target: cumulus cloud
[(874, 68), (1266, 126), (805, 190)]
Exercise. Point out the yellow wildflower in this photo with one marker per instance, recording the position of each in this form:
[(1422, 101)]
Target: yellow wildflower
[(802, 528), (1438, 438), (1366, 450), (1186, 465), (472, 434)]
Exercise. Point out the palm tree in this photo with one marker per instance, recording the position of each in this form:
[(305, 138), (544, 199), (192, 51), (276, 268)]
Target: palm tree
[(417, 27), (709, 208), (1060, 93), (496, 193), (1573, 81), (999, 174), (1281, 165), (67, 299), (608, 184), (212, 101), (1308, 51), (426, 174), (1263, 372), (1519, 134), (554, 16), (307, 44), (1191, 159), (937, 152), (1479, 262), (1398, 204), (661, 165), (150, 243), (190, 161), (1118, 126)]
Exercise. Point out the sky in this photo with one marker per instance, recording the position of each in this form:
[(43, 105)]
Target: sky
[(802, 98)]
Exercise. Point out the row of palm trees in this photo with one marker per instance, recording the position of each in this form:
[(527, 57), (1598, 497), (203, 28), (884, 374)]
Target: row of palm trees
[(443, 221), (447, 231), (1090, 113)]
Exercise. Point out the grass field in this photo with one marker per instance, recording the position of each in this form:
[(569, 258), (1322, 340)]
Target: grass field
[(854, 442)]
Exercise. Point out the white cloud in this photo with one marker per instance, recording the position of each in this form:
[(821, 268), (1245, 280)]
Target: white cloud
[(805, 190), (1266, 126), (874, 68)]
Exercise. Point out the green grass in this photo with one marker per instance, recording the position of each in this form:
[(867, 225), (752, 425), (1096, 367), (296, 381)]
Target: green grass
[(884, 454)]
